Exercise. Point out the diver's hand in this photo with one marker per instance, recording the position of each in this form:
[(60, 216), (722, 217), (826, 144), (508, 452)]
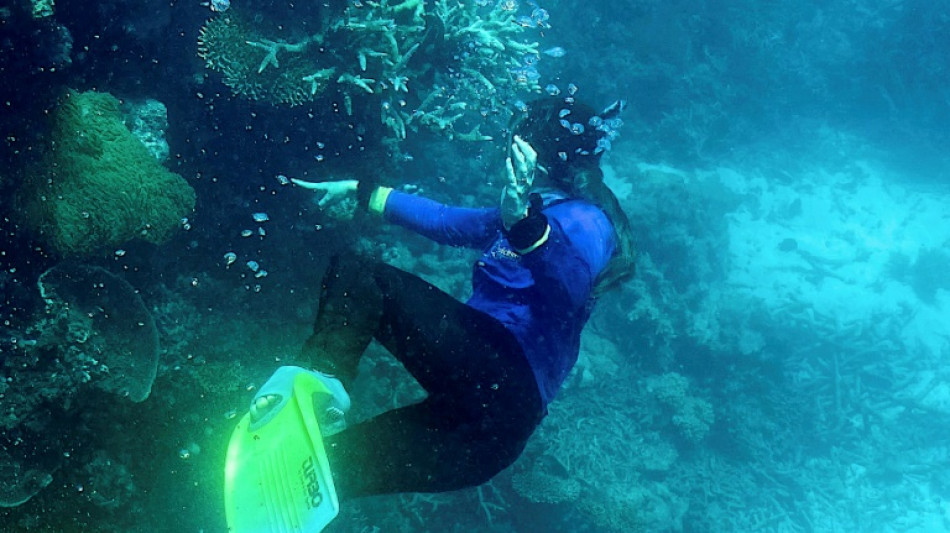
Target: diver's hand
[(334, 191), (521, 166)]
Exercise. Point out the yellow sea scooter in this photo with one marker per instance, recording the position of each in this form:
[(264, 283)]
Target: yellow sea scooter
[(276, 475)]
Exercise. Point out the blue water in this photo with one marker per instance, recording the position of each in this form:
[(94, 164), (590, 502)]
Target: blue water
[(777, 363)]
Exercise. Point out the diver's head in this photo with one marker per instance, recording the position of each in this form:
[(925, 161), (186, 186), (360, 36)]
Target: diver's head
[(568, 136)]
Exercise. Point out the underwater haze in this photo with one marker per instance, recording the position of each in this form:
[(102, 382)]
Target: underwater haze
[(779, 362)]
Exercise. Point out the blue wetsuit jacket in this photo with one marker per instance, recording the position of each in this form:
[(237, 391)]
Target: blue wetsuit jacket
[(544, 296)]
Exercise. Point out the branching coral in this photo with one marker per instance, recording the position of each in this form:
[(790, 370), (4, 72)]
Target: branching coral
[(440, 67), (232, 47)]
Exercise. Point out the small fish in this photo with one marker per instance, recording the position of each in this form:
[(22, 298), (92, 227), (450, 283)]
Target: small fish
[(552, 89), (614, 109), (525, 74), (577, 128), (571, 89), (562, 156), (565, 123), (520, 105), (563, 113), (120, 252), (603, 145), (230, 258), (555, 51), (247, 233), (220, 6), (261, 232), (260, 273), (260, 217), (595, 121), (525, 21), (253, 265), (540, 16), (283, 180)]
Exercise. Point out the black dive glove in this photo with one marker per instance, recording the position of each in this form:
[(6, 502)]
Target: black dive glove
[(531, 231)]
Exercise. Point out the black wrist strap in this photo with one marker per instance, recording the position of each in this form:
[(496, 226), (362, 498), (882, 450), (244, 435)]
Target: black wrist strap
[(364, 190)]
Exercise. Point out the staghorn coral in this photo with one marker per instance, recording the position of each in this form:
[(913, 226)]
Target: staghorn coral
[(441, 67), (231, 46), (98, 185)]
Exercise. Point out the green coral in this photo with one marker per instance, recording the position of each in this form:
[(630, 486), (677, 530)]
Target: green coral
[(42, 8), (98, 185)]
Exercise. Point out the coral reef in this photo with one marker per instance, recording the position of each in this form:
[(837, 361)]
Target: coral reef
[(148, 121), (42, 8), (600, 451), (541, 486), (225, 43), (440, 66), (95, 334), (20, 483), (111, 484), (691, 416), (120, 328), (98, 185)]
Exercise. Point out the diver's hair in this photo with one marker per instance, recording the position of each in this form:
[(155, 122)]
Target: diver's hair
[(589, 185), (547, 126), (572, 161)]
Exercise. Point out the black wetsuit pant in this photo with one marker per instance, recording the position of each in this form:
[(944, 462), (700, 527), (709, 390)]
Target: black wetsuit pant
[(482, 404)]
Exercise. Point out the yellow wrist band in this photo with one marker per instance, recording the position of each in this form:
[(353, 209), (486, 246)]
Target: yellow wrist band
[(377, 200)]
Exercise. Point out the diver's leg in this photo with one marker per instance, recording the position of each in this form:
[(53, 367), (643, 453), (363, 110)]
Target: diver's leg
[(350, 309), (482, 406)]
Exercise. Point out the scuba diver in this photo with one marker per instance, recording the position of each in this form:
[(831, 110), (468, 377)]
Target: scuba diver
[(491, 365)]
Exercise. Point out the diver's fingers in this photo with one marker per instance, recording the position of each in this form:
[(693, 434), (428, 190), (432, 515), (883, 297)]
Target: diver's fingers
[(525, 169), (326, 200), (512, 177), (521, 170), (530, 155), (311, 185)]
